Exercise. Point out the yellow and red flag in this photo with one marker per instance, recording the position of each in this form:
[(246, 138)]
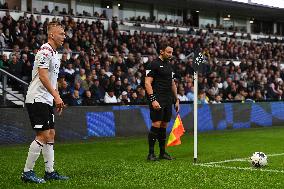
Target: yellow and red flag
[(176, 133)]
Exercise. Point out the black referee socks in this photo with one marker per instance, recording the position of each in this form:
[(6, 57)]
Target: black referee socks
[(162, 139), (152, 137)]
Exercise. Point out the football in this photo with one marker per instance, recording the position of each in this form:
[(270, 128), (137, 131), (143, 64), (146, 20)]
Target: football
[(258, 159)]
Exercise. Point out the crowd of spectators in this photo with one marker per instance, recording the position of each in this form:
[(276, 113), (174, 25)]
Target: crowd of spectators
[(101, 65), (137, 19), (189, 22), (70, 12), (185, 22)]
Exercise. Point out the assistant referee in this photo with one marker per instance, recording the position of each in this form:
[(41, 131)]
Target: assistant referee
[(162, 92)]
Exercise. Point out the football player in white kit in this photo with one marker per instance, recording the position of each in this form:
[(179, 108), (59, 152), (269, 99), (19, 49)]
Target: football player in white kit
[(39, 102)]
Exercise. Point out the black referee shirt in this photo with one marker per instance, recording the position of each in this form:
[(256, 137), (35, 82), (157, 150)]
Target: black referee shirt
[(162, 74)]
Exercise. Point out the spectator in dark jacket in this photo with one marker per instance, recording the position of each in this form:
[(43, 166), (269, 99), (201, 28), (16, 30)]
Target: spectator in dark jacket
[(88, 100)]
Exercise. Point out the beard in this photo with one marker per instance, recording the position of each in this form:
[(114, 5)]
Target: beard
[(167, 58)]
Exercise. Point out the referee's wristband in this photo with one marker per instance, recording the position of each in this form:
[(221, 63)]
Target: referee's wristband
[(152, 98)]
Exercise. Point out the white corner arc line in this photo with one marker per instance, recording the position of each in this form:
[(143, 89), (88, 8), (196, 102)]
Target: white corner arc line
[(215, 164), (272, 155), (239, 159), (226, 161), (240, 168)]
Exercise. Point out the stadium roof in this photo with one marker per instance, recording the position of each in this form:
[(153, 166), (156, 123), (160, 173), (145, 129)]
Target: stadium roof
[(226, 6)]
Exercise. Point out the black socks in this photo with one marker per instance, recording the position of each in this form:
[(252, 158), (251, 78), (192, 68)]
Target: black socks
[(152, 137), (159, 134), (162, 139)]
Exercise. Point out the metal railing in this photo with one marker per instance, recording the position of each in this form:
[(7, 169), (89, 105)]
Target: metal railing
[(5, 75)]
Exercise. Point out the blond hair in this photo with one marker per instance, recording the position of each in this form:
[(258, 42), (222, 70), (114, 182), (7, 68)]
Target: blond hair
[(52, 25)]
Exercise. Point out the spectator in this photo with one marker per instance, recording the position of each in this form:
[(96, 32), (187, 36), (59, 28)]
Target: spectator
[(30, 55), (15, 52), (97, 91), (218, 100), (69, 73), (76, 99), (103, 76), (103, 15), (241, 95), (120, 65), (118, 87), (64, 61), (81, 76), (114, 25), (181, 95), (107, 70), (45, 10), (2, 39), (55, 11), (124, 84), (88, 100), (65, 93), (71, 12), (63, 12), (202, 98), (134, 98), (258, 96), (190, 94), (110, 97), (35, 11), (66, 48), (27, 68), (15, 67), (87, 83), (79, 88), (133, 82), (123, 98), (4, 62), (142, 96), (274, 91)]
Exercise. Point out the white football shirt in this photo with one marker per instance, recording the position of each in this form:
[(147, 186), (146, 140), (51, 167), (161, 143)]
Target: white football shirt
[(46, 58)]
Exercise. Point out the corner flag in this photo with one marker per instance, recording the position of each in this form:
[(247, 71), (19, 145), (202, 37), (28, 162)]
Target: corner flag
[(176, 133)]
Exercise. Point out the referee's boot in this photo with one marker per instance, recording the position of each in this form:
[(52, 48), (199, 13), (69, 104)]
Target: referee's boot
[(30, 176), (152, 157), (54, 176), (165, 156)]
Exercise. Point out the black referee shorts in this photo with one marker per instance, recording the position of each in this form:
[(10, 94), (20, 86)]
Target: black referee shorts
[(163, 114), (41, 116)]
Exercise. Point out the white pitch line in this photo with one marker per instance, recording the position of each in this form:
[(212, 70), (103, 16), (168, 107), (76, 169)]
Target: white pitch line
[(214, 164), (239, 159), (272, 155), (225, 161), (240, 168)]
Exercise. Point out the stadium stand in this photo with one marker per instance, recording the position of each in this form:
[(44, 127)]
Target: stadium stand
[(101, 56)]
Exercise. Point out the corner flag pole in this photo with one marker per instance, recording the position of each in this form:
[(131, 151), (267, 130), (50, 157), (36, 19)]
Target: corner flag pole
[(197, 66), (195, 76)]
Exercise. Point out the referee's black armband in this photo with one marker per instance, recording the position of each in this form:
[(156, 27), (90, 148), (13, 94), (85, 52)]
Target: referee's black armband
[(152, 97)]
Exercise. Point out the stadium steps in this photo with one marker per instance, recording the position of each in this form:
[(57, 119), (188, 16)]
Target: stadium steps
[(12, 98)]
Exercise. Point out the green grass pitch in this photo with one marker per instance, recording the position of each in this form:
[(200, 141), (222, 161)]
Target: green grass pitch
[(121, 162)]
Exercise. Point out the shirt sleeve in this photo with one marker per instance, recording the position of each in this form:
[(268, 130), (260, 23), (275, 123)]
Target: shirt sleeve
[(43, 58), (151, 70)]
